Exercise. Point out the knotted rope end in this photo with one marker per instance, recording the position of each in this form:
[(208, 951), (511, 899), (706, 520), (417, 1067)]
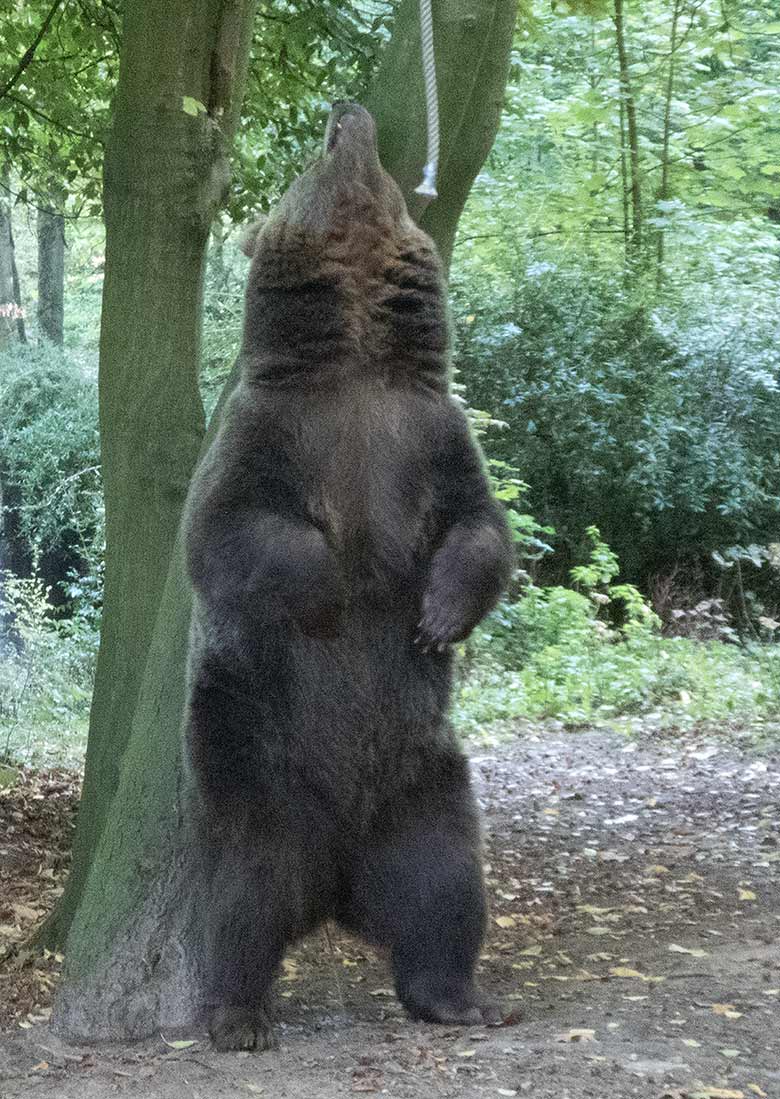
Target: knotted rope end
[(428, 186)]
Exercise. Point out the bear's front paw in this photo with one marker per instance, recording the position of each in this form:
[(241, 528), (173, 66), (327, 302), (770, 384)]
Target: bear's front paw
[(317, 598), (443, 622)]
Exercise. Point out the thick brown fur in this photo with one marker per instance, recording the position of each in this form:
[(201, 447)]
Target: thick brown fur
[(340, 536)]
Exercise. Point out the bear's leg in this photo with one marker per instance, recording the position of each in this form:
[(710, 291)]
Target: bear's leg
[(266, 893), (419, 890), (248, 930), (438, 929)]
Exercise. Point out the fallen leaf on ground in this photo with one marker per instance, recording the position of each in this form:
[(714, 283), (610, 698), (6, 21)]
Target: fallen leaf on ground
[(695, 952), (622, 971), (180, 1043), (578, 1034), (716, 1093)]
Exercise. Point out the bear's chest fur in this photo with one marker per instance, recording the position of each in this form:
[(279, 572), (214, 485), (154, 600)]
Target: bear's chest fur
[(366, 470)]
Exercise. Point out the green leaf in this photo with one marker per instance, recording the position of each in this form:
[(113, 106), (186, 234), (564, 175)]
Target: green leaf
[(179, 1043), (192, 106)]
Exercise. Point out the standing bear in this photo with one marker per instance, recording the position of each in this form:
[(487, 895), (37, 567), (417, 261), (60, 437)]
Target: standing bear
[(340, 535)]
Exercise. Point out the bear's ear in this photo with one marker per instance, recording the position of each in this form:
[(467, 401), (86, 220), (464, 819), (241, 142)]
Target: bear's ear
[(250, 235)]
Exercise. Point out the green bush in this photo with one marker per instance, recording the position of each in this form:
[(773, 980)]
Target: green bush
[(661, 425), (46, 673), (597, 655), (49, 461)]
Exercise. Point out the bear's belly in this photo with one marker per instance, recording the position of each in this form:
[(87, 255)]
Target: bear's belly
[(348, 717)]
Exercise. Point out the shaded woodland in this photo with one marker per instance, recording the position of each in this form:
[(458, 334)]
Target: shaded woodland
[(610, 218)]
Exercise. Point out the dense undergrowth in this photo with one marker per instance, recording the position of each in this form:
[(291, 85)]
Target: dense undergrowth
[(596, 653)]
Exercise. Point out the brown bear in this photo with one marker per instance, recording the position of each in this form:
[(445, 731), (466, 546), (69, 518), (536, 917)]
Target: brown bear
[(341, 535)]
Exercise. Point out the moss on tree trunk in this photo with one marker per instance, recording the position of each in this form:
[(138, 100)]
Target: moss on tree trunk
[(181, 79)]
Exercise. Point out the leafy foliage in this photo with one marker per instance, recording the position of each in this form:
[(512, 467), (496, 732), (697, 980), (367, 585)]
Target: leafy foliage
[(46, 670), (49, 459), (596, 655), (304, 55), (660, 427), (54, 119), (556, 169)]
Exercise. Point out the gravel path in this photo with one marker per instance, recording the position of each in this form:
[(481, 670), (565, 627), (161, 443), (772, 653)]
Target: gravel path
[(635, 938)]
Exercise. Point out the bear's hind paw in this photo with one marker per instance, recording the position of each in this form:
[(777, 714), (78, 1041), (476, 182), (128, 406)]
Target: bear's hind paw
[(240, 1028), (465, 1011)]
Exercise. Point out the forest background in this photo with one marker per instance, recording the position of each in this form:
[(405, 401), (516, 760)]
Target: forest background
[(614, 287)]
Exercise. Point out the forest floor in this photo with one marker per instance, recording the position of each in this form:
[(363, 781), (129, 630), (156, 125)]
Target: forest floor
[(635, 940)]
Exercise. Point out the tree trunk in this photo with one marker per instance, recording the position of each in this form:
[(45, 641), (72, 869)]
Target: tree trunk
[(6, 282), (473, 41), (182, 74), (51, 274), (11, 316), (17, 288), (663, 190), (625, 189), (132, 958), (627, 97)]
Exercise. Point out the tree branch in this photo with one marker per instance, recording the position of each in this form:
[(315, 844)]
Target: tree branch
[(29, 53), (18, 99)]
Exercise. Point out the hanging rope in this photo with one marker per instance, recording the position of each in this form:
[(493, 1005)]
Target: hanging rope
[(428, 185)]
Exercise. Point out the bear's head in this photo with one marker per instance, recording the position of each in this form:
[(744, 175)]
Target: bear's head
[(344, 188), (341, 276)]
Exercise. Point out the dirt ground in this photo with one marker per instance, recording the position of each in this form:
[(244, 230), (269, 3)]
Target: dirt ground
[(635, 939)]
